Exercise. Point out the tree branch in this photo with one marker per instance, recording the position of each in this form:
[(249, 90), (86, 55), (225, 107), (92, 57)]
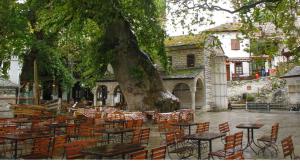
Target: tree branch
[(208, 6)]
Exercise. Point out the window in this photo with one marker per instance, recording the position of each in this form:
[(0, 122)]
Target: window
[(235, 44), (170, 60), (190, 60), (238, 68)]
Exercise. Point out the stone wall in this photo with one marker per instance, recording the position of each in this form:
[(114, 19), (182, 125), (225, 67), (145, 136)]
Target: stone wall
[(179, 56)]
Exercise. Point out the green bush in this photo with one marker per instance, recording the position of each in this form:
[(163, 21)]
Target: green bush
[(250, 97)]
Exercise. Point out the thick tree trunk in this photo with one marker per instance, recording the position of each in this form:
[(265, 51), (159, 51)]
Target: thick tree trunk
[(139, 80)]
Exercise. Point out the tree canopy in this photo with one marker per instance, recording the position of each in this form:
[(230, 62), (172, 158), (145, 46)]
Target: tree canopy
[(73, 31)]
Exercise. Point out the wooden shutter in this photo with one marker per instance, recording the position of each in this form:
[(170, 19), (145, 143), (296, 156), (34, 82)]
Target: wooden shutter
[(235, 44)]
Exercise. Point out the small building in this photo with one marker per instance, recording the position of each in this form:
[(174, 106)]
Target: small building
[(8, 91), (197, 78), (293, 82)]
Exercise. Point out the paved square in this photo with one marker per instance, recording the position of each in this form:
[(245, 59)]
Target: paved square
[(289, 124)]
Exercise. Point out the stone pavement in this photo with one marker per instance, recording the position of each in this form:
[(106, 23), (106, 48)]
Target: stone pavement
[(289, 124)]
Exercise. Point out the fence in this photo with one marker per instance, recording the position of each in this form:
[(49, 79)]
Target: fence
[(270, 106)]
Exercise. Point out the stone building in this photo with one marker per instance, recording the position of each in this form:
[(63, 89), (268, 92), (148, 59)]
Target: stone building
[(197, 78), (8, 91), (293, 82)]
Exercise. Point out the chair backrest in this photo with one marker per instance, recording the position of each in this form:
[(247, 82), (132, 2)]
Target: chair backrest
[(229, 143), (162, 125), (61, 119), (179, 134), (170, 138), (159, 153), (139, 155), (138, 123), (41, 146), (58, 144), (73, 149), (236, 156), (85, 131), (224, 127), (145, 135), (118, 115), (71, 129), (238, 140), (202, 127), (287, 147), (136, 137), (274, 132), (129, 123)]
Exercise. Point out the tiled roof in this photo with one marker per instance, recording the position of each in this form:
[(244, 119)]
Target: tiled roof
[(295, 72), (182, 74), (7, 83), (227, 27), (185, 40), (175, 74)]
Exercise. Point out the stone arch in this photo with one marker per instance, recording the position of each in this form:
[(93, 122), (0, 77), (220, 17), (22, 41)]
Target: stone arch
[(200, 93), (118, 97), (182, 92), (101, 94)]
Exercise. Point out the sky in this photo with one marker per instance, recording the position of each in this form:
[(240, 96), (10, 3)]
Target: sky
[(219, 17)]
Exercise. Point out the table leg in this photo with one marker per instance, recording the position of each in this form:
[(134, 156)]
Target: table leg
[(248, 140), (121, 137), (107, 138), (254, 140), (54, 131), (16, 149), (189, 130), (199, 149), (210, 149)]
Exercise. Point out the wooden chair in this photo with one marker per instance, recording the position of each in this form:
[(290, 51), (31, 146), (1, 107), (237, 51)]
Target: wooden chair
[(40, 149), (73, 149), (202, 127), (288, 148), (224, 128), (136, 137), (238, 141), (129, 123), (139, 155), (236, 156), (145, 135), (71, 132), (58, 145), (269, 141), (137, 124), (174, 147), (159, 153), (228, 148), (85, 131)]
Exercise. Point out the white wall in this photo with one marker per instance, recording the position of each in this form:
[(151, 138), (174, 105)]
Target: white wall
[(225, 38), (15, 70)]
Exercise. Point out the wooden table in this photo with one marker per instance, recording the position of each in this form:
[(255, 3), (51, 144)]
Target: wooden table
[(206, 136), (184, 124), (57, 125), (21, 121), (21, 137), (111, 150), (116, 122), (250, 136), (116, 131)]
